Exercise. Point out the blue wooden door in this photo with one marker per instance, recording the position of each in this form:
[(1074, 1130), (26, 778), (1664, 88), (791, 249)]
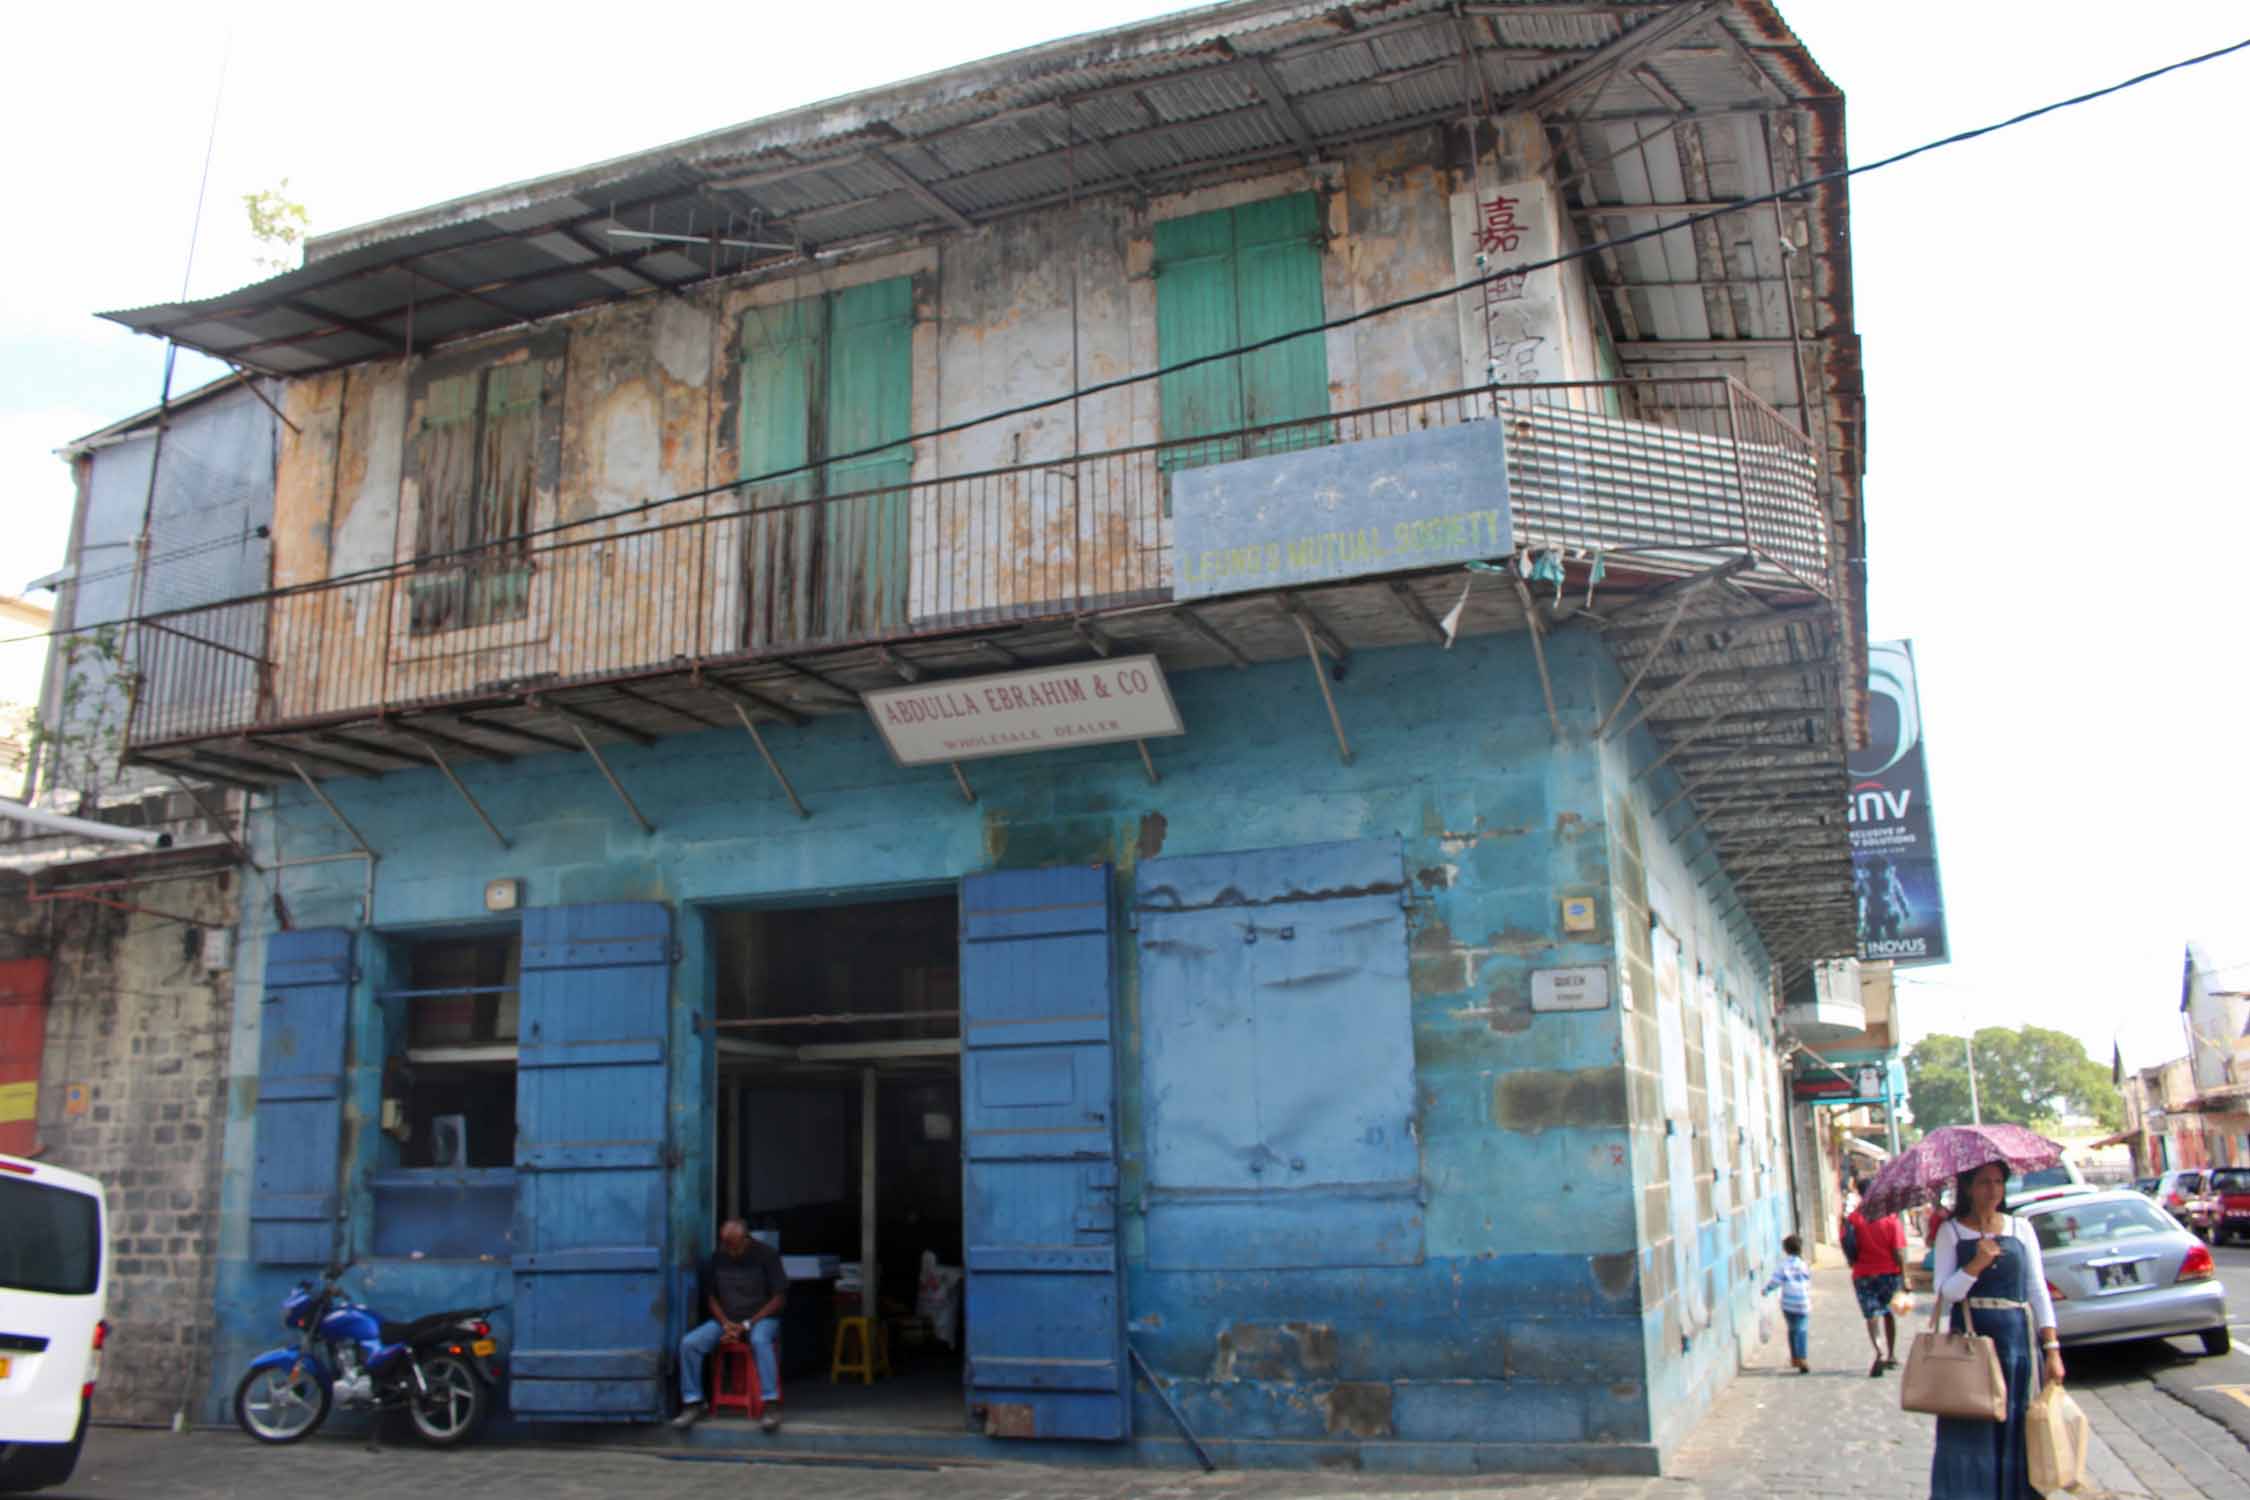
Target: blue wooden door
[(1045, 1304), (301, 1027), (591, 1164)]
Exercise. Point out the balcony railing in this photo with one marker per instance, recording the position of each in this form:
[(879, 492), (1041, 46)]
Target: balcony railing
[(1664, 470)]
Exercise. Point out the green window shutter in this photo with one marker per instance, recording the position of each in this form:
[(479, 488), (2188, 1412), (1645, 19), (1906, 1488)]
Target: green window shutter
[(1232, 277), (445, 465), (782, 356), (870, 406), (1196, 315), (507, 468), (1278, 291), (781, 367)]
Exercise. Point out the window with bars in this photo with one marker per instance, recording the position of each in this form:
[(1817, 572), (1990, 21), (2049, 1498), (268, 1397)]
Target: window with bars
[(476, 464)]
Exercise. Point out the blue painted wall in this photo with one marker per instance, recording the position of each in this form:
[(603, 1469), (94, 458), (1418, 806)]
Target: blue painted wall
[(1709, 1166), (1532, 1331)]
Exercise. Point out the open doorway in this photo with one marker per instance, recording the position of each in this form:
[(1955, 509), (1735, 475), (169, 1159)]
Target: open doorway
[(838, 1139)]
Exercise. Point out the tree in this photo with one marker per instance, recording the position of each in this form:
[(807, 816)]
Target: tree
[(83, 745), (278, 220), (2029, 1076)]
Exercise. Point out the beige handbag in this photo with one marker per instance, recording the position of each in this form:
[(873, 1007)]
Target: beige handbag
[(1953, 1374)]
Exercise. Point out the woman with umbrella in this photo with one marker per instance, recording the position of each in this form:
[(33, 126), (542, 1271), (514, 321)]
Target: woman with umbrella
[(1988, 1267)]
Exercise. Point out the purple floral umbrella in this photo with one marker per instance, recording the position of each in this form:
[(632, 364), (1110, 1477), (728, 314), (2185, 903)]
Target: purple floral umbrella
[(1922, 1172)]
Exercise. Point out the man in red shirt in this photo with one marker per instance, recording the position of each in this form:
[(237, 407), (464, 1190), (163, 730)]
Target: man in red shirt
[(1877, 1274)]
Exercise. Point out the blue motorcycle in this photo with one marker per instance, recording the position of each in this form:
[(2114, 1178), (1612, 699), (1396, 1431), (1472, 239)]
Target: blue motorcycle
[(440, 1370)]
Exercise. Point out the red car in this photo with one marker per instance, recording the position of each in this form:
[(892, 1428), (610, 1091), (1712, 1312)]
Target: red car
[(2222, 1213)]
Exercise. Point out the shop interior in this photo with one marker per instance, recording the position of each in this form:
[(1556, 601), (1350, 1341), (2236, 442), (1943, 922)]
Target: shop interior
[(838, 1135)]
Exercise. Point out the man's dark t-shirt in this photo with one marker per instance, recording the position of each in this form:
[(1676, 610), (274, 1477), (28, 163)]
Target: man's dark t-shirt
[(743, 1286)]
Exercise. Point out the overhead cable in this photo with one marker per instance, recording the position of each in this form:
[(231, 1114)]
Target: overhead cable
[(1795, 191)]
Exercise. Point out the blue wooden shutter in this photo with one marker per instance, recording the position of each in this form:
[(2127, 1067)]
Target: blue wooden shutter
[(870, 404), (1045, 1296), (591, 1164), (301, 1028), (1277, 1053)]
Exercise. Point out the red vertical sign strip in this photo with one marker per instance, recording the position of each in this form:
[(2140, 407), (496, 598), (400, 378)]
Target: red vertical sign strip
[(23, 1041)]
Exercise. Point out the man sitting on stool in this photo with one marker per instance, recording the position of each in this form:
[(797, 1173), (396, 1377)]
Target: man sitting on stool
[(743, 1288)]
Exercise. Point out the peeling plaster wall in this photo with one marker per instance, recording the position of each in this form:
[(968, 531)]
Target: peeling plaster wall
[(1709, 1165), (647, 399), (1517, 1341)]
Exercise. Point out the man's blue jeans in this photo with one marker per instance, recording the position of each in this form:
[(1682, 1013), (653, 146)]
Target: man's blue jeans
[(765, 1348)]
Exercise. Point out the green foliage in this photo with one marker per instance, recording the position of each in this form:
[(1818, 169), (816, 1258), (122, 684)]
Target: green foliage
[(2028, 1076), (278, 220), (84, 743)]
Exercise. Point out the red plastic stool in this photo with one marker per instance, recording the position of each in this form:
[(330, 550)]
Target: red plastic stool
[(736, 1385)]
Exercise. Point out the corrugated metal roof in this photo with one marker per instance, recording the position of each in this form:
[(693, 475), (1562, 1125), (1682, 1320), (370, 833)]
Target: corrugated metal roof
[(1726, 97)]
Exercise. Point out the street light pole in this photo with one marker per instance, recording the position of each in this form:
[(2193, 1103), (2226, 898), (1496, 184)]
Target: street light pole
[(1976, 1115)]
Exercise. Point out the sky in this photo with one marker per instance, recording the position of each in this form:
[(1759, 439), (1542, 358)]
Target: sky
[(2048, 319)]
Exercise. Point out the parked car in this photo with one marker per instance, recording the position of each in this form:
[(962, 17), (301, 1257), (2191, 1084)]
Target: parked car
[(54, 1255), (2223, 1211), (2119, 1269), (2046, 1182), (2176, 1187), (2146, 1186)]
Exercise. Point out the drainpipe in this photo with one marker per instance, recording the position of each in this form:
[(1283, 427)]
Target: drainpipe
[(147, 838)]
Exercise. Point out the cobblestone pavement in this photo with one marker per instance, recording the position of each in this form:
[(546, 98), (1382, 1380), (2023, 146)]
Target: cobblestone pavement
[(1832, 1435)]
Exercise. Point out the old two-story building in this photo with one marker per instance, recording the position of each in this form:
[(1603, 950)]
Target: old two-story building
[(1203, 671), (119, 883)]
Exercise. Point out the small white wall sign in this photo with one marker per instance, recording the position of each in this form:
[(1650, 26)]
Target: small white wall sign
[(1044, 708), (1571, 989)]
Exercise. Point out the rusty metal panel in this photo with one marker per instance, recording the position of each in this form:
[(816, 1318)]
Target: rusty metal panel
[(1277, 1055)]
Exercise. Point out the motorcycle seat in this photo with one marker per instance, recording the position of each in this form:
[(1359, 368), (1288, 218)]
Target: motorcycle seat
[(426, 1326)]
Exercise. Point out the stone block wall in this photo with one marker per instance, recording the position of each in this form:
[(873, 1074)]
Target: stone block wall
[(132, 1092)]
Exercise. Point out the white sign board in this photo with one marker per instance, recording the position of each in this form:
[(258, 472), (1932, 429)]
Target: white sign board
[(1570, 989), (1012, 713)]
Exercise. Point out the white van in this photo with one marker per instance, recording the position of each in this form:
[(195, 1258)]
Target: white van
[(54, 1256)]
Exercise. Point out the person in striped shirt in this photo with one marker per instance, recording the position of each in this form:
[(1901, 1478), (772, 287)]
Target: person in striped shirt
[(1794, 1278)]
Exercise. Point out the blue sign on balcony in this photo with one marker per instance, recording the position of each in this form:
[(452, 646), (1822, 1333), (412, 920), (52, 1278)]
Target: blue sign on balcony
[(1316, 515)]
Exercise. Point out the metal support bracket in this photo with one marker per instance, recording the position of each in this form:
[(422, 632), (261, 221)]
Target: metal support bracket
[(611, 777), (1329, 641), (1327, 695), (489, 827), (1147, 764), (1204, 628), (1538, 629), (334, 811), (771, 764), (961, 780), (907, 671)]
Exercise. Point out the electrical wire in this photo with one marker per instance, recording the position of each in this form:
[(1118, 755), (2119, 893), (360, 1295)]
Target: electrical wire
[(1384, 309)]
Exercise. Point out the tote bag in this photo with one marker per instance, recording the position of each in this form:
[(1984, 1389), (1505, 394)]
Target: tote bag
[(2055, 1435), (1953, 1374)]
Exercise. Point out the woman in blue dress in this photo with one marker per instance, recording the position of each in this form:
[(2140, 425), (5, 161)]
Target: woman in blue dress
[(1988, 1267)]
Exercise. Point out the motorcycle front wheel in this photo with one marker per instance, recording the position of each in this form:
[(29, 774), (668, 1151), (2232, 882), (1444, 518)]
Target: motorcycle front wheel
[(452, 1405), (274, 1408)]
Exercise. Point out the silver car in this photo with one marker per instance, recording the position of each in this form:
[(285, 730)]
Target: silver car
[(2121, 1268)]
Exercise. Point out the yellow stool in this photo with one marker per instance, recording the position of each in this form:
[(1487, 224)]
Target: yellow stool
[(874, 1351)]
